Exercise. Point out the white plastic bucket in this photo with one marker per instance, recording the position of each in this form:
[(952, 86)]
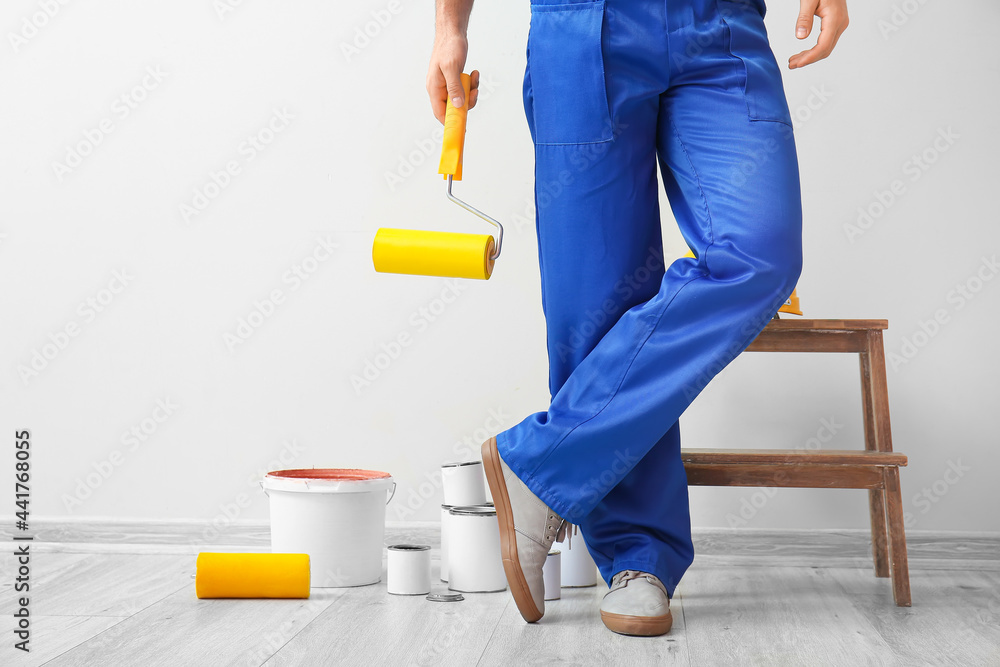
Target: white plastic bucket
[(335, 515)]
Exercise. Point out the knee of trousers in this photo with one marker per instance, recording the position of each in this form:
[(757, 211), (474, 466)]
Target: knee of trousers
[(766, 276)]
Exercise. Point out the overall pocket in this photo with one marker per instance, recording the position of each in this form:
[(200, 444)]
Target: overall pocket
[(762, 87), (566, 69)]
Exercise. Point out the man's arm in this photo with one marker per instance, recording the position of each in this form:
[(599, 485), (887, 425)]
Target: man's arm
[(833, 22), (451, 47)]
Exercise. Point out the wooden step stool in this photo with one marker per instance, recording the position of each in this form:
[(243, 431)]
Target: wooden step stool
[(875, 468)]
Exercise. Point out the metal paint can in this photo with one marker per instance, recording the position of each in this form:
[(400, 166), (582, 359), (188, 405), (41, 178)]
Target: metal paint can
[(577, 565), (551, 575), (464, 483), (445, 509), (409, 569), (474, 564)]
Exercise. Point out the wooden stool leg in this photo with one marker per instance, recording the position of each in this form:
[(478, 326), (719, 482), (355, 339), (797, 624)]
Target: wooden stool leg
[(876, 505), (897, 538), (880, 545)]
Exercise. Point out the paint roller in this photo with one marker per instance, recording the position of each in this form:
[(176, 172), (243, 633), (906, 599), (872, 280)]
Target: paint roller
[(445, 254), (252, 575)]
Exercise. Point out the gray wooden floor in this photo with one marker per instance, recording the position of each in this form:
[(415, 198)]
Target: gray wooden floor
[(124, 605)]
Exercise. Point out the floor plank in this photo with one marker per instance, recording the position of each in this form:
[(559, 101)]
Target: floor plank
[(183, 630), (954, 620), (571, 633), (101, 584), (777, 616), (368, 626), (746, 601), (53, 635)]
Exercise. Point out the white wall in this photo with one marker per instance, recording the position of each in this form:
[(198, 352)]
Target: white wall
[(286, 391)]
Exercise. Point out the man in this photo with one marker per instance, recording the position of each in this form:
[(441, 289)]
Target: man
[(610, 88)]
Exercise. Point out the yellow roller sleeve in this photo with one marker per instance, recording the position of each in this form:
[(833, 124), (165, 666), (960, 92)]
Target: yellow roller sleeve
[(423, 253), (252, 575), (454, 136)]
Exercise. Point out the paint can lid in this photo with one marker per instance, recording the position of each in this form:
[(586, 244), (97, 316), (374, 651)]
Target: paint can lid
[(456, 464), (473, 510), (408, 547), (445, 597)]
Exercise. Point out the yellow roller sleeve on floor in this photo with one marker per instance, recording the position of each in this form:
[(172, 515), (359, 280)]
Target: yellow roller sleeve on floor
[(252, 575), (427, 253)]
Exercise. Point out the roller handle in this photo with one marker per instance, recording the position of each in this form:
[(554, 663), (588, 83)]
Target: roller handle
[(454, 135)]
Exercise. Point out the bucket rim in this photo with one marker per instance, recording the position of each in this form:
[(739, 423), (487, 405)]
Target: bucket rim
[(327, 481), (328, 474)]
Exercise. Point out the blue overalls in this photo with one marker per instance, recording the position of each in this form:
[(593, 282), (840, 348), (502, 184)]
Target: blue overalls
[(610, 87)]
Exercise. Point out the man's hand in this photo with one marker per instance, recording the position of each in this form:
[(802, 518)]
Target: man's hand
[(833, 22), (451, 47), (443, 82)]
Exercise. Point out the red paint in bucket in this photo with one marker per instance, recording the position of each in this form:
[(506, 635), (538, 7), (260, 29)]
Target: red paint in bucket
[(333, 474)]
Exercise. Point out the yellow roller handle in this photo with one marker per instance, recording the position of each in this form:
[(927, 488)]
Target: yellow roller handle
[(252, 575), (454, 135)]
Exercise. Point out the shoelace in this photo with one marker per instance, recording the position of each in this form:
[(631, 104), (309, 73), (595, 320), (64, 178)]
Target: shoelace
[(558, 529), (622, 578)]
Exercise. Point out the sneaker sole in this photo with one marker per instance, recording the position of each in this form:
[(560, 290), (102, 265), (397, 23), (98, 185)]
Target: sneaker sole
[(641, 626), (508, 541)]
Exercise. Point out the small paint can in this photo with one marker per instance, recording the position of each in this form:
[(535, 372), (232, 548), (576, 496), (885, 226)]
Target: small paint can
[(577, 565), (551, 576), (409, 569), (474, 564), (445, 521), (464, 483)]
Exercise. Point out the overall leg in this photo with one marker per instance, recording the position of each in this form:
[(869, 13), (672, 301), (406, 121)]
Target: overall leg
[(724, 140), (600, 254)]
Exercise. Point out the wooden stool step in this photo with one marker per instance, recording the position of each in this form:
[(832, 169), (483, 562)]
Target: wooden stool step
[(875, 468)]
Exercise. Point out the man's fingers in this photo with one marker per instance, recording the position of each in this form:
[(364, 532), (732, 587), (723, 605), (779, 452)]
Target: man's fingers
[(473, 88), (437, 92), (804, 25), (832, 26), (456, 94)]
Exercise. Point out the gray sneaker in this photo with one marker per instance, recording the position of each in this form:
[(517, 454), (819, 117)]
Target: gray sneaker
[(636, 604), (527, 529)]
